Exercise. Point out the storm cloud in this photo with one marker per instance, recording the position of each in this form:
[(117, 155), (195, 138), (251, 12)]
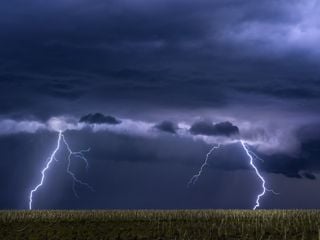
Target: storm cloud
[(210, 129), (167, 126), (251, 67), (99, 118), (238, 53)]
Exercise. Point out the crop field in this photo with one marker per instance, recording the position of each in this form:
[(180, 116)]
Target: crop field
[(148, 224)]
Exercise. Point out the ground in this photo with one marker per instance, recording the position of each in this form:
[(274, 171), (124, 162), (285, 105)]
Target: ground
[(149, 224)]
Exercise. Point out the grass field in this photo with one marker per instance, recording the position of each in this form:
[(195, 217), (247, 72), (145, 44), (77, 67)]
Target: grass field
[(188, 224)]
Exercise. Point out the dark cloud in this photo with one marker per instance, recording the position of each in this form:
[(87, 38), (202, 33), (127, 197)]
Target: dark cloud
[(309, 175), (154, 52), (210, 129), (62, 88), (167, 126), (99, 118)]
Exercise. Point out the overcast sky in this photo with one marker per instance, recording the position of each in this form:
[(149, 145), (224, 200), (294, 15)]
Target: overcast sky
[(150, 86)]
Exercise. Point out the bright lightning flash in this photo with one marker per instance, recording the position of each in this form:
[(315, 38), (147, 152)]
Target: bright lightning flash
[(195, 177), (263, 182), (79, 154), (251, 157)]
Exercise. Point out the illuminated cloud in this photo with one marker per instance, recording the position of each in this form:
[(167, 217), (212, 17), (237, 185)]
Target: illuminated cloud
[(8, 126)]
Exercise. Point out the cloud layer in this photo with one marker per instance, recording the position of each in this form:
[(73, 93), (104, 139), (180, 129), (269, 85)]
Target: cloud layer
[(297, 159), (144, 55)]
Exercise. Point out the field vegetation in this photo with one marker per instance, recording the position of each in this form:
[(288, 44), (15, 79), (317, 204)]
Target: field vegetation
[(183, 224)]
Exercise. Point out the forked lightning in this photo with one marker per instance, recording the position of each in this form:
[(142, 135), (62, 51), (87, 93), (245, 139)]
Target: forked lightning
[(251, 157), (79, 154)]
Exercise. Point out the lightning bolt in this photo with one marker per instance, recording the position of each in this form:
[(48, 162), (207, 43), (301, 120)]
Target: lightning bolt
[(195, 177), (79, 154), (251, 157), (263, 181)]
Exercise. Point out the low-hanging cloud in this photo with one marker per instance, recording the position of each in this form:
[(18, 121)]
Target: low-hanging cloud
[(209, 129), (167, 126), (99, 118), (8, 126), (301, 164), (309, 175)]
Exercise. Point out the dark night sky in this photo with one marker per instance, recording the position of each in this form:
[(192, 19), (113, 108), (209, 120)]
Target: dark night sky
[(168, 79)]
